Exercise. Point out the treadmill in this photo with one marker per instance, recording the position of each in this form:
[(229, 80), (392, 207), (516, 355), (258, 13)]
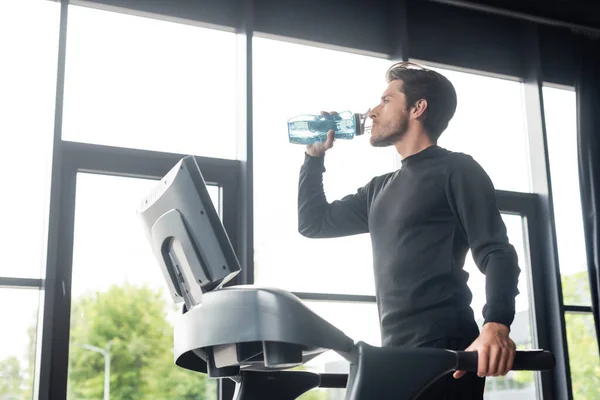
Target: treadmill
[(256, 335)]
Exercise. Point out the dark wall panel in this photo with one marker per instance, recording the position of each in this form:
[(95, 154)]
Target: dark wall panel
[(582, 12), (557, 48), (218, 12), (351, 23), (465, 38)]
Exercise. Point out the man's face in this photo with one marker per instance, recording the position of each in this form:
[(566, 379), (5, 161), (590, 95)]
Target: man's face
[(390, 117)]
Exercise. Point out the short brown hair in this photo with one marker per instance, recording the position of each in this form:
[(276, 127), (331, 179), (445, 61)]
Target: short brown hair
[(421, 83)]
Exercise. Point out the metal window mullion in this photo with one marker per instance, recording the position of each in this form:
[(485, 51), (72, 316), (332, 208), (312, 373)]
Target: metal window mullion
[(241, 191), (22, 283), (577, 309), (134, 163), (51, 360), (546, 281), (245, 139), (516, 202)]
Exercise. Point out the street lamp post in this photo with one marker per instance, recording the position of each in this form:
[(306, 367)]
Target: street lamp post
[(106, 355)]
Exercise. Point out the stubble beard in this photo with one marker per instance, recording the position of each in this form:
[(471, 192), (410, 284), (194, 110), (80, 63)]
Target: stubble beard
[(390, 134)]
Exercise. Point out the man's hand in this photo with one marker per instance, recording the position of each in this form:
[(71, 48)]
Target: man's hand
[(496, 351), (319, 149)]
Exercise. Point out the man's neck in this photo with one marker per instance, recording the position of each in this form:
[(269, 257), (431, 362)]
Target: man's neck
[(412, 143)]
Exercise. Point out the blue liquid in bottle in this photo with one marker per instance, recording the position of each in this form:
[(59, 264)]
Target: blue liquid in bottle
[(308, 129)]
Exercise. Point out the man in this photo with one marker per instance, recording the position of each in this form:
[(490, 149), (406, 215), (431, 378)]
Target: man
[(422, 219)]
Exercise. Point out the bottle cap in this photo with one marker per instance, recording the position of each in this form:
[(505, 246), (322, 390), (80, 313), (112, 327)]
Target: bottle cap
[(360, 122)]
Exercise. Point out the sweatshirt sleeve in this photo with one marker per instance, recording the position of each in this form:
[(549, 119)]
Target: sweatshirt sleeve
[(317, 218), (473, 199)]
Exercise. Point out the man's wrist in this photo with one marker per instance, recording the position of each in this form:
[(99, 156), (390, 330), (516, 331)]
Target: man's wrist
[(315, 154), (496, 327), (313, 164)]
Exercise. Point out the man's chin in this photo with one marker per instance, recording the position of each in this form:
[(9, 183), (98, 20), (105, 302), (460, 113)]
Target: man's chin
[(378, 141)]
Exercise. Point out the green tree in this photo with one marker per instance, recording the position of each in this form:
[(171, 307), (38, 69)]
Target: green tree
[(11, 378), (583, 356), (581, 339), (314, 394), (31, 354), (16, 374), (131, 322), (576, 288), (178, 383)]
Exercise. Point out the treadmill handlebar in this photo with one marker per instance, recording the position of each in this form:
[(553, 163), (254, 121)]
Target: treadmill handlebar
[(525, 360)]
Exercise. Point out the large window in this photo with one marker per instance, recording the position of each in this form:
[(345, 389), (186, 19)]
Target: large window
[(120, 304), (316, 80), (149, 84), (489, 124), (561, 129), (29, 45), (29, 31)]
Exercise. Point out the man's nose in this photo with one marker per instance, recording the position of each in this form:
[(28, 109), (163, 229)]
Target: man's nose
[(373, 113)]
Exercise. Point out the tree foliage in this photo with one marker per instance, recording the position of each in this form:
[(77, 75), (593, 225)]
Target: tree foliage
[(11, 381), (16, 374), (581, 339), (131, 323)]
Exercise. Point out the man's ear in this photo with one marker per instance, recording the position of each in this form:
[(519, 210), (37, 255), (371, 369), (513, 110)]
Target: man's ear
[(418, 109)]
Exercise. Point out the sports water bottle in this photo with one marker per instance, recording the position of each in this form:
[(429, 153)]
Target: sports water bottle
[(308, 129)]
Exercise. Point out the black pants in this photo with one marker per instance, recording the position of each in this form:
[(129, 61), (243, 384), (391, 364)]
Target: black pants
[(469, 387)]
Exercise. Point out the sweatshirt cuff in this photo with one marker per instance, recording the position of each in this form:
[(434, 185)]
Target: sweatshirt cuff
[(316, 164), (500, 316)]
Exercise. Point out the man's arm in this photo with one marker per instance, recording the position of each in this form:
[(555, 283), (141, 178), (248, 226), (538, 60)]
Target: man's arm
[(319, 219), (472, 197)]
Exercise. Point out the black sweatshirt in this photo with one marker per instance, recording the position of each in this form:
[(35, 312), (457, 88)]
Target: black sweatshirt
[(422, 219)]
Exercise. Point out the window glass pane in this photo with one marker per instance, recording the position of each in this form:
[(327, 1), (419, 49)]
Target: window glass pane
[(18, 346), (29, 46), (120, 302), (584, 360), (149, 84), (489, 124), (561, 130), (515, 382), (338, 81)]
